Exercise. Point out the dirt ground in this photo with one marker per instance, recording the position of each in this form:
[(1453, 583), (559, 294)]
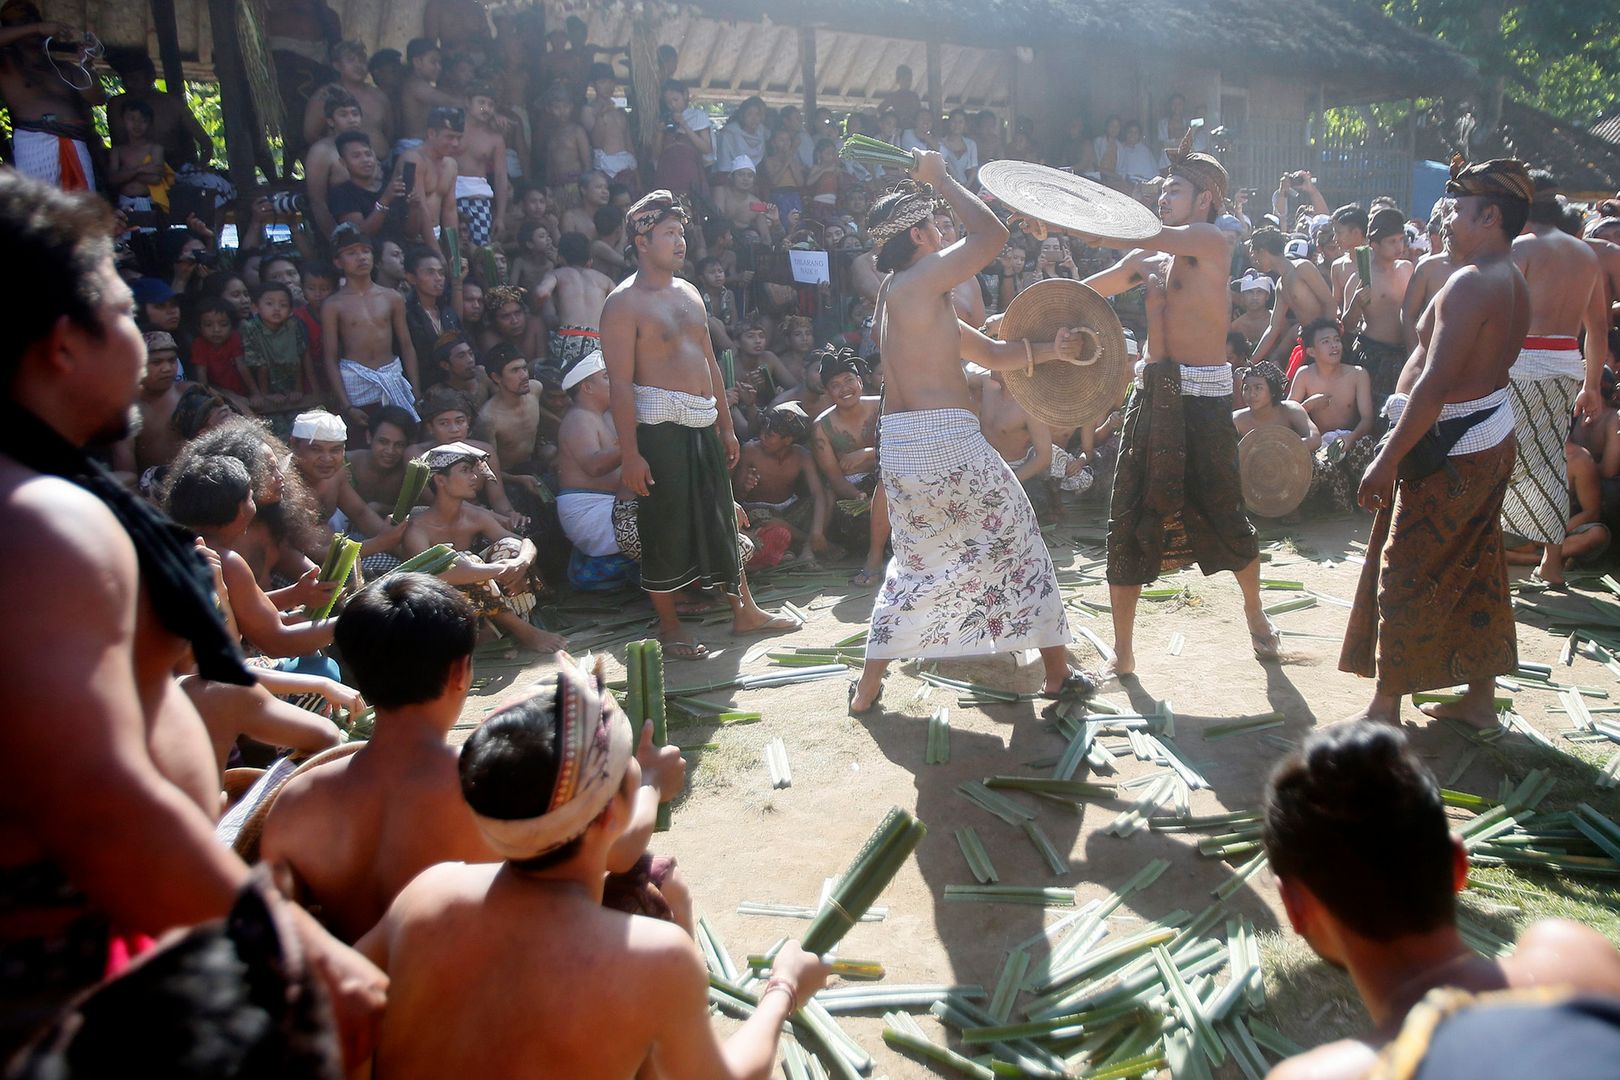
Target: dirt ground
[(737, 839)]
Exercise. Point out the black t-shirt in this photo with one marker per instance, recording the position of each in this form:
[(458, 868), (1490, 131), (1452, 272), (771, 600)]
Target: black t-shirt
[(350, 198)]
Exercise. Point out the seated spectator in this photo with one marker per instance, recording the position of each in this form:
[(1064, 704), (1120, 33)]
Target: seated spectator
[(609, 127), (577, 291), (1135, 160), (507, 321), (987, 134), (355, 831), (361, 324), (378, 471), (447, 417), (961, 153), (1105, 148), (536, 256), (1587, 538), (136, 171), (1266, 406), (324, 168), (516, 423), (777, 484), (1023, 442), (276, 360), (458, 368), (1369, 872), (496, 568), (588, 458), (741, 206), (158, 308), (317, 442), (744, 136), (156, 442), (213, 496), (1254, 294), (430, 313), (1339, 399), (903, 101), (595, 192), (618, 991)]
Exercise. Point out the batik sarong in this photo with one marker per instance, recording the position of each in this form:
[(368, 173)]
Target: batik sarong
[(1544, 382), (1336, 473), (971, 574), (1383, 362), (687, 521), (1432, 607), (490, 598), (1177, 495)]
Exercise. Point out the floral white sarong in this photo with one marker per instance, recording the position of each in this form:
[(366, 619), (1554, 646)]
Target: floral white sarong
[(971, 574)]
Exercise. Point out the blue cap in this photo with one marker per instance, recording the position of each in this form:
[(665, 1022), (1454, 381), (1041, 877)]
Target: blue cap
[(151, 290), (1228, 223)]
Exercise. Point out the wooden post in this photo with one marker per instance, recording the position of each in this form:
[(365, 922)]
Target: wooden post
[(235, 100), (168, 36), (807, 74), (936, 81)]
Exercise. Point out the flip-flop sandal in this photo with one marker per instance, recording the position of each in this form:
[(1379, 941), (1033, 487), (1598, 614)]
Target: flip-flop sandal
[(870, 709), (685, 650), (866, 579), (1077, 686), (1549, 586)]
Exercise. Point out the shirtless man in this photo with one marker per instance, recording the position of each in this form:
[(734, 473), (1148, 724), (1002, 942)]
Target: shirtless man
[(120, 831), (1375, 307), (588, 457), (447, 417), (1349, 232), (460, 370), (1187, 324), (612, 153), (1432, 607), (482, 186), (317, 443), (174, 127), (593, 195), (577, 292), (967, 298), (1604, 237), (1428, 275), (349, 57), (323, 165), (510, 420), (157, 442), (460, 26), (623, 995), (432, 215), (1369, 870), (1338, 397), (1023, 442), (419, 96), (378, 472), (508, 321), (355, 831), (496, 566), (1302, 295), (665, 382), (568, 146), (1265, 406), (1255, 294), (741, 205), (1555, 376), (360, 326), (934, 458), (50, 119), (774, 473)]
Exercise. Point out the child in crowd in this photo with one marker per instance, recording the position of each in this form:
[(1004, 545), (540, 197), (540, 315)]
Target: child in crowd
[(216, 351), (276, 362)]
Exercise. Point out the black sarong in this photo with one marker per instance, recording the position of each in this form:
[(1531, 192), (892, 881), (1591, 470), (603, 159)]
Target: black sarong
[(687, 522)]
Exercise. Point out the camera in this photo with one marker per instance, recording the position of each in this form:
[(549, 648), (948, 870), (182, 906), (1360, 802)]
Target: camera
[(289, 202), (204, 258), (1298, 177)]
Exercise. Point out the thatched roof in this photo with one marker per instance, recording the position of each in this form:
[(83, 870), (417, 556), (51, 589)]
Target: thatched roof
[(1584, 162), (1360, 53)]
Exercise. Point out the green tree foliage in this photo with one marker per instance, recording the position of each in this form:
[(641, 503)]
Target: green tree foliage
[(1560, 56)]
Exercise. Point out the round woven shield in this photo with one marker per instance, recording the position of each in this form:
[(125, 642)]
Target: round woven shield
[(1059, 393), (1275, 467), (1068, 201)]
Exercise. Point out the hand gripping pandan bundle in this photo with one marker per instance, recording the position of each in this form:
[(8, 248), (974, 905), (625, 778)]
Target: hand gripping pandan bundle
[(644, 699), (341, 555), (410, 489), (879, 860)]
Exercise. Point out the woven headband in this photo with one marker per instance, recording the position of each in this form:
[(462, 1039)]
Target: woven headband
[(1508, 177)]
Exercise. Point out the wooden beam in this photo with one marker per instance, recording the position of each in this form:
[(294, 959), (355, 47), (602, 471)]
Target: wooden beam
[(235, 100), (807, 73), (168, 36), (936, 92)]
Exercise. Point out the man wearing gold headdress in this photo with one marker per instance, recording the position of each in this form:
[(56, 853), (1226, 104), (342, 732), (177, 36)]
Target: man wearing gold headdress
[(1177, 497), (1432, 608)]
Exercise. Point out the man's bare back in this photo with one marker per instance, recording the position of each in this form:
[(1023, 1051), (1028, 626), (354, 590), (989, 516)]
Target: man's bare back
[(1563, 273), (579, 293), (383, 814), (1304, 292), (583, 433)]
